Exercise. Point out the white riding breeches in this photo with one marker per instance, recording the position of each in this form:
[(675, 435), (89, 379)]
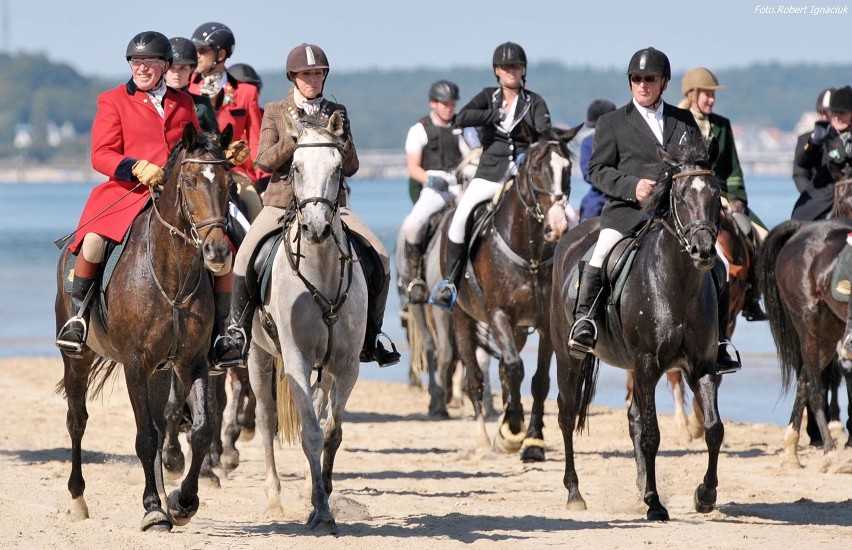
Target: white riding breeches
[(430, 202), (479, 190)]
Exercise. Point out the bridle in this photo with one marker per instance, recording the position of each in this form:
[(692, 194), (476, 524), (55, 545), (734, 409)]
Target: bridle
[(534, 210), (332, 204), (684, 232)]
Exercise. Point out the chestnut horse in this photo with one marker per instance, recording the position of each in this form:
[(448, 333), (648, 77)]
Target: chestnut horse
[(159, 318)]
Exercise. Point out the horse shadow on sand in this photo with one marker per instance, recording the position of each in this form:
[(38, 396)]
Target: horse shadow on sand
[(63, 454)]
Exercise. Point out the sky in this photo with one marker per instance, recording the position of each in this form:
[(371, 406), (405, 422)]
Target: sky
[(91, 35)]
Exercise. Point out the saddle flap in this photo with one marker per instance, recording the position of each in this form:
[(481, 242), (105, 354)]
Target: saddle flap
[(618, 263), (841, 276)]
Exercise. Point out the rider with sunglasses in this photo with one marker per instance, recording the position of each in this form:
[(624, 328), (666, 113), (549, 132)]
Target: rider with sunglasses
[(624, 165)]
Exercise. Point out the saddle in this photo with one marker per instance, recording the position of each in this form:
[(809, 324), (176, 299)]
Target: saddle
[(841, 276)]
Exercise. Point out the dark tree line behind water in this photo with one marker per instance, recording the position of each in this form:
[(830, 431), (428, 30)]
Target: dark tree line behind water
[(384, 103)]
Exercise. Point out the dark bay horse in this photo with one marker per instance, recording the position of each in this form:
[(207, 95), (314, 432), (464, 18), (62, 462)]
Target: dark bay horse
[(511, 267), (668, 319), (159, 318), (797, 263)]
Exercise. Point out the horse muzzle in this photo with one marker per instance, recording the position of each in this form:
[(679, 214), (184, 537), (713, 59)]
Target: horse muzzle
[(216, 250)]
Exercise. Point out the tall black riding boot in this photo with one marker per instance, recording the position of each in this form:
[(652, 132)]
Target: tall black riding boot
[(444, 293), (231, 349), (418, 292), (72, 335), (584, 332), (378, 285), (227, 350), (724, 362)]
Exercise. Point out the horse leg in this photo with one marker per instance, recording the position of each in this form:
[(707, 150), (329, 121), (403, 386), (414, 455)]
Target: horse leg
[(533, 445), (791, 434), (465, 332), (261, 370), (246, 405), (147, 444), (714, 432), (76, 383), (173, 459), (437, 390), (675, 380), (211, 467), (230, 421), (512, 430), (483, 358), (183, 502), (568, 380), (645, 433), (338, 397)]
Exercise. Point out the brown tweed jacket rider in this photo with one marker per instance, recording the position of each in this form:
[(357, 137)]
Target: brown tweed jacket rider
[(278, 134)]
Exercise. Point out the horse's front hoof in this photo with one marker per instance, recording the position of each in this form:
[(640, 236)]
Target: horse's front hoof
[(705, 499), (657, 514), (230, 459), (575, 504), (325, 519), (507, 442), (78, 509), (532, 450), (181, 514), (156, 520)]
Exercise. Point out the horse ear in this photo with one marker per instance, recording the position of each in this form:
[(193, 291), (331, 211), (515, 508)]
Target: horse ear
[(189, 136), (335, 124), (570, 133), (665, 156), (712, 149), (226, 136)]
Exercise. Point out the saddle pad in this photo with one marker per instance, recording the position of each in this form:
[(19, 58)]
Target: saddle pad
[(112, 255), (841, 276), (612, 264)]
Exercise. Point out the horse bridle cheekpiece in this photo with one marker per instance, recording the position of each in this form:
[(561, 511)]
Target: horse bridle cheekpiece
[(684, 232)]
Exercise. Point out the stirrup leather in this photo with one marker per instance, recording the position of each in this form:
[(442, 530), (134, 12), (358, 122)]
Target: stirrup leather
[(578, 346), (70, 345), (444, 283)]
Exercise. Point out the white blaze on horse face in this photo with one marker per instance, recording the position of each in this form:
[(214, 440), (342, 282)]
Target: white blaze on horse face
[(558, 164), (699, 184), (208, 173)]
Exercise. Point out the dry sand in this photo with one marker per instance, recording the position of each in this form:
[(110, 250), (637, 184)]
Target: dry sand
[(404, 481)]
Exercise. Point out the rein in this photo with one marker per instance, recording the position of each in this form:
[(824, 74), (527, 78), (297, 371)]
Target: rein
[(330, 308), (194, 240), (683, 233)]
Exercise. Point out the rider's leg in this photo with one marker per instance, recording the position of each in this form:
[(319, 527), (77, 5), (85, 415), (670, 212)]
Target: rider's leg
[(227, 350), (378, 286), (248, 195), (414, 229), (444, 293), (724, 362), (589, 298), (242, 305), (72, 336), (752, 309)]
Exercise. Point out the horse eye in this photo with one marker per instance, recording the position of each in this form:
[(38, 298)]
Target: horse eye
[(189, 181)]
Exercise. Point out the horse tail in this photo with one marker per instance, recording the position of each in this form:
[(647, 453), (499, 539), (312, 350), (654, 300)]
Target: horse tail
[(289, 422), (783, 332), (589, 368), (101, 371)]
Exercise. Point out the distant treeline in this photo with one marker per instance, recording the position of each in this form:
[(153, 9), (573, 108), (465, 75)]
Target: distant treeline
[(384, 103)]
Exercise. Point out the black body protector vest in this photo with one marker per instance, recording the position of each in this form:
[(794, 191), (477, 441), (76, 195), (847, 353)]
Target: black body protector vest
[(442, 147)]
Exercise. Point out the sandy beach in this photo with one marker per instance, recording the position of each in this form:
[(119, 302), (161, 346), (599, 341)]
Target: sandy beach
[(405, 481)]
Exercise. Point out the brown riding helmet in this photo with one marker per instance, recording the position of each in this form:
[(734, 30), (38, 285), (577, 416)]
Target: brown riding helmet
[(305, 57), (699, 78)]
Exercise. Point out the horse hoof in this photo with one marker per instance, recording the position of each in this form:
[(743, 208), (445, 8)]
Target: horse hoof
[(507, 442), (532, 450), (660, 514), (78, 509), (230, 460), (246, 434), (181, 514), (576, 505), (156, 520), (325, 519), (705, 499)]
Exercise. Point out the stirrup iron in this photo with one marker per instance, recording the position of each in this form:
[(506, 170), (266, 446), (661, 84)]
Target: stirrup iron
[(578, 349), (444, 283), (68, 345), (727, 343)]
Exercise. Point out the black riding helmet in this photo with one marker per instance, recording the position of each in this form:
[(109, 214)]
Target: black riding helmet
[(650, 62), (841, 99), (150, 44), (509, 53), (216, 35), (246, 73), (184, 51), (444, 90)]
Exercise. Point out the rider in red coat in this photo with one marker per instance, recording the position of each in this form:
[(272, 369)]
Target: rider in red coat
[(236, 103), (135, 127)]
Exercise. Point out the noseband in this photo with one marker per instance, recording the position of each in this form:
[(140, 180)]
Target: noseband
[(682, 232), (194, 238), (333, 205)]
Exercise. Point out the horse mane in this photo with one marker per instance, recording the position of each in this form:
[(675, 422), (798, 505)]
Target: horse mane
[(313, 123), (693, 153), (205, 143)]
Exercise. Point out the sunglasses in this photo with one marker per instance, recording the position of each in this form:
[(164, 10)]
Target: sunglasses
[(148, 62), (636, 79)]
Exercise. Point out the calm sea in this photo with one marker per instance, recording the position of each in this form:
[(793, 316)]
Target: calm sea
[(33, 215)]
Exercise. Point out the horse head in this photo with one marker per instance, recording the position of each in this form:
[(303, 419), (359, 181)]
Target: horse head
[(687, 199), (546, 175), (196, 187), (843, 195), (316, 174)]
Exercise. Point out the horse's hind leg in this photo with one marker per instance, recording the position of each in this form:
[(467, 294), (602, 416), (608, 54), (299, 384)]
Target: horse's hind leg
[(173, 459), (532, 449), (791, 434), (645, 433), (465, 332), (570, 387), (231, 427), (261, 367), (211, 467), (714, 433), (512, 429), (76, 385)]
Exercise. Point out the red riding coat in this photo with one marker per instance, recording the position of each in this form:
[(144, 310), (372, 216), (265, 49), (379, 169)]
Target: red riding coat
[(237, 105), (127, 128)]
